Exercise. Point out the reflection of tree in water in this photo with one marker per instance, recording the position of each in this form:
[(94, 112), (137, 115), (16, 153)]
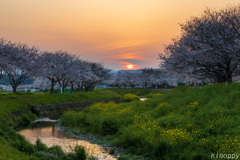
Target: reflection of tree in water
[(53, 130)]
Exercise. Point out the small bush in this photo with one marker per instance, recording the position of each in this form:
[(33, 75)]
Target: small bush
[(111, 151), (154, 95), (162, 149), (115, 142), (40, 146), (108, 126), (78, 153), (26, 119), (57, 150), (130, 98), (32, 117)]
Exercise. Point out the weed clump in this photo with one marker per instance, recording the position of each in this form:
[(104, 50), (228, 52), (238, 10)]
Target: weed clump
[(154, 95), (130, 98)]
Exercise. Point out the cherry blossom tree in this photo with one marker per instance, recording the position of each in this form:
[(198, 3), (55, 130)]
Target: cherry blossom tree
[(19, 62), (53, 67), (208, 48), (42, 83), (132, 78), (5, 48), (97, 75), (119, 80), (81, 71), (69, 69)]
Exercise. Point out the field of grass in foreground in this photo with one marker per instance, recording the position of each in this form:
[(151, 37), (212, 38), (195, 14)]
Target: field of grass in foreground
[(185, 123), (136, 91), (14, 110)]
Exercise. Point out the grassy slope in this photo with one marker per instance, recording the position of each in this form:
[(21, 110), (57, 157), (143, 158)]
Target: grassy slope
[(14, 109), (136, 91), (8, 152), (17, 102), (185, 123)]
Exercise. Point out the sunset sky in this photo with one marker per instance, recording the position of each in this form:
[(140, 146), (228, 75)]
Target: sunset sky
[(117, 32)]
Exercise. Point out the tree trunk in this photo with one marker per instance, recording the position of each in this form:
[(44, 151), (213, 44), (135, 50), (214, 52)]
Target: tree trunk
[(86, 89), (154, 86), (52, 87), (229, 79), (92, 87), (14, 89), (72, 89)]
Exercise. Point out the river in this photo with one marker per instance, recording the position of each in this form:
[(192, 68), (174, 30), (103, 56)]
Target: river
[(49, 134), (45, 130)]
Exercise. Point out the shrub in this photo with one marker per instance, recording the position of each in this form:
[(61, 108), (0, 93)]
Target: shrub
[(57, 150), (40, 146), (108, 126), (78, 153), (154, 95), (130, 98), (26, 119), (32, 117), (111, 151)]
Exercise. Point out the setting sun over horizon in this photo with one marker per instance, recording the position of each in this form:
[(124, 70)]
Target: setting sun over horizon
[(130, 66), (118, 33)]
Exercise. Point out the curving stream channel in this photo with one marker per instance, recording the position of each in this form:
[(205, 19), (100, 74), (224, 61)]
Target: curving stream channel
[(50, 135), (45, 130)]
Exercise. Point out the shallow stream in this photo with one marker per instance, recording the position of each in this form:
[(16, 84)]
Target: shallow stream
[(50, 135), (45, 130)]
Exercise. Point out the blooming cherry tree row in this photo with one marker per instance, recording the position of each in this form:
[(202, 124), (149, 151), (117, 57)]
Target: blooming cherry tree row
[(51, 69), (143, 77)]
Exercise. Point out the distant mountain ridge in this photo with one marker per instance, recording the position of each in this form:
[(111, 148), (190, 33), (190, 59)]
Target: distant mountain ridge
[(124, 71)]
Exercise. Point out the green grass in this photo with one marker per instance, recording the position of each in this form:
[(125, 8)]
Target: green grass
[(185, 123), (136, 91), (15, 110), (14, 104), (8, 152)]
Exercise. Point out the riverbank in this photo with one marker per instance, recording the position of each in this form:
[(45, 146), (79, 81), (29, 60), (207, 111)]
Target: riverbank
[(184, 123), (14, 106), (15, 110)]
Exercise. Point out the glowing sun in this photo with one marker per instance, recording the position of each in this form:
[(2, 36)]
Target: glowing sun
[(130, 66)]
